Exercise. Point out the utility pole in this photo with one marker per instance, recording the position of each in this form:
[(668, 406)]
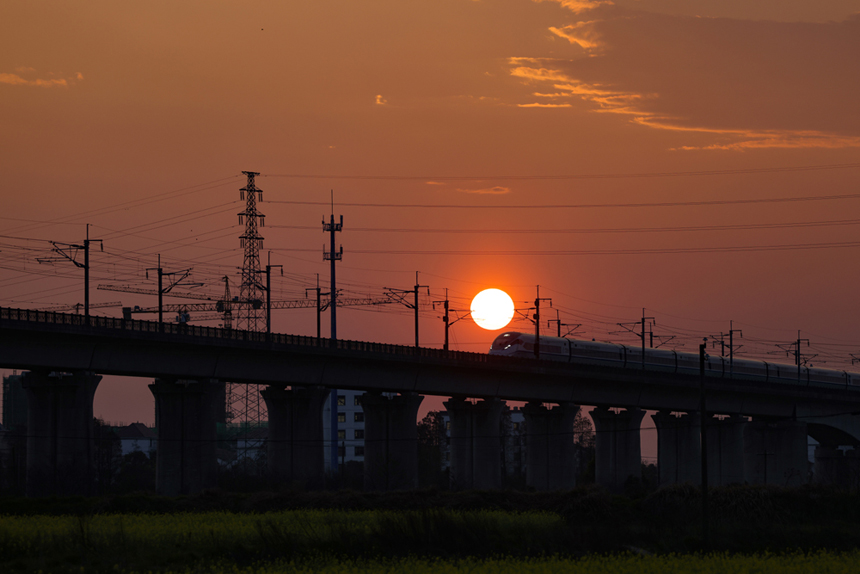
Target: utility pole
[(559, 325), (641, 334), (70, 251), (446, 318), (732, 332), (319, 304), (538, 299), (400, 296), (704, 440), (417, 286), (795, 348), (269, 268), (333, 256), (173, 283), (160, 292), (653, 322)]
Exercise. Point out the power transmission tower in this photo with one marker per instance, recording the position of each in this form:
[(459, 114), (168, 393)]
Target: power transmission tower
[(251, 316), (244, 403)]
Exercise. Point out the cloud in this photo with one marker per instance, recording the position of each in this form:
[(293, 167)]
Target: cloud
[(434, 183), (380, 101), (743, 84), (579, 6), (498, 190), (583, 34), (539, 105), (22, 80)]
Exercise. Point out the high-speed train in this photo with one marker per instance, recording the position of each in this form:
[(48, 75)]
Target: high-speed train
[(514, 344)]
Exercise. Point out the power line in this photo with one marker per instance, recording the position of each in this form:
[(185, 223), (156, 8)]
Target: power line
[(655, 251), (641, 175), (797, 224), (592, 205)]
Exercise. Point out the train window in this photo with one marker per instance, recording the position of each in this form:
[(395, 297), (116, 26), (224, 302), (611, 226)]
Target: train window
[(504, 341)]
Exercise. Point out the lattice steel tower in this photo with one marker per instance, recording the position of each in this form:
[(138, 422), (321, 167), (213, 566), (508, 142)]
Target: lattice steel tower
[(245, 404), (252, 313)]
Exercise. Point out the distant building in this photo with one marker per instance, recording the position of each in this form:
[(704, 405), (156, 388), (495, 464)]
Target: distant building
[(137, 437), (350, 428)]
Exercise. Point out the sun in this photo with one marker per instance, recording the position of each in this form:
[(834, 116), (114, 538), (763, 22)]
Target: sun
[(492, 309)]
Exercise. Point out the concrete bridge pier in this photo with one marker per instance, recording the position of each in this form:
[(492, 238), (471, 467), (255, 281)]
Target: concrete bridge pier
[(295, 447), (726, 450), (390, 441), (60, 433), (551, 463), (830, 466), (185, 415), (679, 449), (618, 454), (776, 453), (476, 461)]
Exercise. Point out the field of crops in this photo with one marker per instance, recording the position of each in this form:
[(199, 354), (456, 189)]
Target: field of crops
[(752, 529), (625, 564), (434, 541)]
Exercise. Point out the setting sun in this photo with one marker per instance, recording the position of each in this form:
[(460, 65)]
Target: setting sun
[(492, 309)]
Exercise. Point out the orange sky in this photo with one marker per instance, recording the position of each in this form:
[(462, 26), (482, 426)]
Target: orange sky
[(108, 102)]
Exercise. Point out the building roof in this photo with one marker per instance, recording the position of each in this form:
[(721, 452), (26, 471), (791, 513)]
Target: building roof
[(135, 431)]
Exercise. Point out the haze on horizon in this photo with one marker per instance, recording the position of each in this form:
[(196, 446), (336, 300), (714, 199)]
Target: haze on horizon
[(138, 118)]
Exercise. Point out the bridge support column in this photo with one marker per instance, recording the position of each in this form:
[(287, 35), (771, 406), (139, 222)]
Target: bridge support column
[(830, 466), (618, 454), (60, 433), (726, 450), (551, 463), (185, 415), (295, 448), (475, 443), (679, 449), (776, 453), (390, 441)]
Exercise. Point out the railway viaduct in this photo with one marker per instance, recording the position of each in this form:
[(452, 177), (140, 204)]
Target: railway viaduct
[(757, 432)]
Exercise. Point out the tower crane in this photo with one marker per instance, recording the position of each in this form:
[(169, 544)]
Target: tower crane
[(78, 306)]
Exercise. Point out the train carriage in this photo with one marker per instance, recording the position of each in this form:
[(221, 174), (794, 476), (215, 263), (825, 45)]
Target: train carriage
[(517, 344)]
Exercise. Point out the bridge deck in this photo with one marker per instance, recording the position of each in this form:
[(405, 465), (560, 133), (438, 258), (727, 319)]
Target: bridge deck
[(108, 346)]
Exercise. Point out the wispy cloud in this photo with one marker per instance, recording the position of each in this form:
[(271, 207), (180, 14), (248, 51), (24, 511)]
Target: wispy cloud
[(434, 183), (725, 81), (579, 6), (497, 190), (582, 34), (540, 105), (22, 80)]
